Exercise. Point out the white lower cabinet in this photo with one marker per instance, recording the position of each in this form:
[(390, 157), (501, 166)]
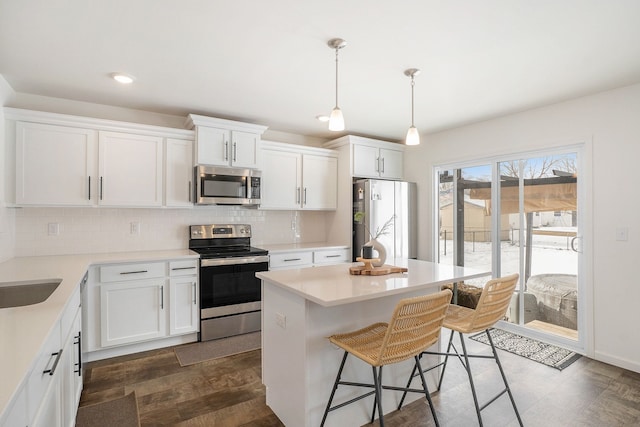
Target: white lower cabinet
[(308, 258), (132, 311), (55, 384), (138, 303), (183, 288)]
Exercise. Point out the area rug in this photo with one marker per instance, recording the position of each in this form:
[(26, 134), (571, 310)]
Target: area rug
[(121, 412), (541, 352), (191, 354)]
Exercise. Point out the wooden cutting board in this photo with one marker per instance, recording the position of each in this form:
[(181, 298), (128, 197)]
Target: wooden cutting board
[(376, 271)]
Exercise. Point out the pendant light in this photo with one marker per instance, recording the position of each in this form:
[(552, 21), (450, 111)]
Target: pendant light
[(413, 137), (336, 120)]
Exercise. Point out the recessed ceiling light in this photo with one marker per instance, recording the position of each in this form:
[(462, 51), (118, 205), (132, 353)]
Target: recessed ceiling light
[(322, 118), (122, 78)]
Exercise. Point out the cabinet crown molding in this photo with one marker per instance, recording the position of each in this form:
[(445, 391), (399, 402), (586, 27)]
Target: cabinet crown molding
[(18, 114), (194, 120), (303, 149), (352, 139)]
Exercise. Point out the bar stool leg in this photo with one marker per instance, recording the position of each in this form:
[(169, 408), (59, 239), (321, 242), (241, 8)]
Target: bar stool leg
[(446, 359), (426, 391), (468, 369), (335, 387), (504, 378), (377, 382)]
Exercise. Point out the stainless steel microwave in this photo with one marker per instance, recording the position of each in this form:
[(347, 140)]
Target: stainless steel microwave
[(227, 186)]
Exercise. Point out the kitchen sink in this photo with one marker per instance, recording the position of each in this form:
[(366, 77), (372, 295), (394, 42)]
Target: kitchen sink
[(18, 294)]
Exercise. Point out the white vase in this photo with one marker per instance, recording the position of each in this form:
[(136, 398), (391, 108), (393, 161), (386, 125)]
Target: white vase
[(380, 249)]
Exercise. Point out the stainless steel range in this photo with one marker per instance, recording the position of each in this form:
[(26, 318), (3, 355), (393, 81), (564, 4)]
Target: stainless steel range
[(230, 293)]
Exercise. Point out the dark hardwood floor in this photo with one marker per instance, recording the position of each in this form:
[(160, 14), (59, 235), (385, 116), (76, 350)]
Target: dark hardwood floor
[(229, 392)]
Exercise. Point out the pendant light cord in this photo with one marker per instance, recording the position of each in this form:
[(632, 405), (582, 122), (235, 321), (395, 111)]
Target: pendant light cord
[(412, 84), (337, 77)]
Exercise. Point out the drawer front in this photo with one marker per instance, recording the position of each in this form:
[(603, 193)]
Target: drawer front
[(123, 272), (188, 267), (291, 260), (333, 256)]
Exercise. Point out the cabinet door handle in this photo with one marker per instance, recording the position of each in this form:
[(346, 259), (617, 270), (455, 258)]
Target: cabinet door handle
[(100, 188), (226, 150), (161, 297), (55, 363), (194, 293), (382, 165), (305, 196), (79, 343), (182, 268), (377, 164), (235, 151), (297, 195), (292, 259), (89, 187), (134, 272), (189, 191)]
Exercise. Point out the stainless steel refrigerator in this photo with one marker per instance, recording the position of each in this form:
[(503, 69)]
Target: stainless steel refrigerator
[(377, 201)]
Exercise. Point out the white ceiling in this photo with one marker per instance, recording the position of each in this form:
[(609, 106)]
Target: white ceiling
[(267, 62)]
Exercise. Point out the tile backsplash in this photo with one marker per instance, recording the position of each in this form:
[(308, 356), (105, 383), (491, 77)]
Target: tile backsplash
[(59, 231)]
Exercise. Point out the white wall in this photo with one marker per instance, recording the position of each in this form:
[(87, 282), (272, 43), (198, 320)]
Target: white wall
[(7, 222), (610, 123)]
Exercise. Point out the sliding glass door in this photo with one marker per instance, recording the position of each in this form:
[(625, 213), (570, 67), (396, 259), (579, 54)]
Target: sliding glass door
[(519, 215)]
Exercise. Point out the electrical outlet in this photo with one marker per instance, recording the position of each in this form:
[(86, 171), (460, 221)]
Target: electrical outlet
[(53, 229), (135, 227), (622, 234), (281, 320)]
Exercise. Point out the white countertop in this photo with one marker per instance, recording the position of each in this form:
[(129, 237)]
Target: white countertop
[(293, 247), (333, 285), (23, 330)]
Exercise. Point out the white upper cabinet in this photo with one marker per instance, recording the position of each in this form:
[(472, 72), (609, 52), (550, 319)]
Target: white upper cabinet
[(375, 162), (178, 168), (55, 165), (130, 168), (66, 160), (281, 179), (320, 180), (222, 142), (370, 158), (297, 177)]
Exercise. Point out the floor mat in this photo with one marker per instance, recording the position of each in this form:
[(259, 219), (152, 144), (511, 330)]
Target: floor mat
[(538, 351), (121, 412), (191, 354)]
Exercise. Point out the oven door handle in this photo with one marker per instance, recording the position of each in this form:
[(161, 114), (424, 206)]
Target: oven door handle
[(214, 262)]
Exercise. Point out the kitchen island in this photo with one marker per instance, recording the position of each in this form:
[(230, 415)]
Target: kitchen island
[(302, 307)]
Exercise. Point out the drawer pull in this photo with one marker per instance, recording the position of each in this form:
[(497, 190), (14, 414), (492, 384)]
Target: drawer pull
[(292, 259), (332, 256), (55, 363), (79, 343), (134, 272), (182, 268)]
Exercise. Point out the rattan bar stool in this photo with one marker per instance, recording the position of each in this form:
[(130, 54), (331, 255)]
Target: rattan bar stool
[(492, 306), (415, 325)]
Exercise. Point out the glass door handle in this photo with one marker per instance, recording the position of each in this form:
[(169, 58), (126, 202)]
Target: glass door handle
[(574, 248)]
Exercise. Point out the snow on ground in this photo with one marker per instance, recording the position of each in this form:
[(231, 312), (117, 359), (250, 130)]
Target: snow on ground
[(550, 254)]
